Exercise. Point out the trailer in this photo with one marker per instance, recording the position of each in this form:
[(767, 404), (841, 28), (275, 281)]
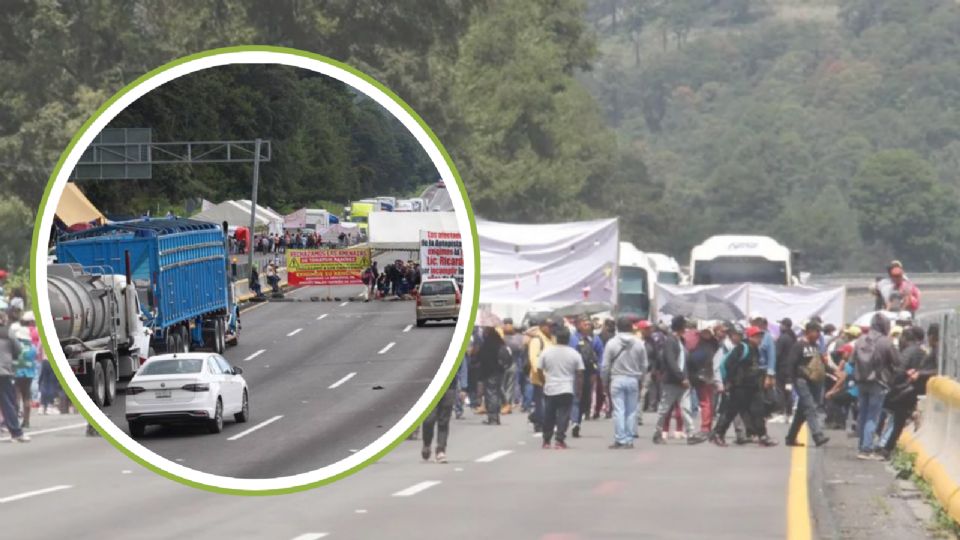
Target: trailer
[(179, 268), (100, 327)]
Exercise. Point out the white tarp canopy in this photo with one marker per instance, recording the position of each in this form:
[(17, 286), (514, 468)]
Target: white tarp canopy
[(551, 264), (401, 230), (774, 302), (237, 214)]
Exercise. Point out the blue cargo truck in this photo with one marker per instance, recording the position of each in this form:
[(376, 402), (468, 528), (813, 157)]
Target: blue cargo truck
[(179, 268)]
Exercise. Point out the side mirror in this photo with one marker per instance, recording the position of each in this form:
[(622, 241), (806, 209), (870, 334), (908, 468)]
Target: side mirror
[(237, 370)]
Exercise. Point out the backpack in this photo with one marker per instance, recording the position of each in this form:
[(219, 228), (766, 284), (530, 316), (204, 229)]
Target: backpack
[(864, 358), (27, 357), (585, 348), (505, 358)]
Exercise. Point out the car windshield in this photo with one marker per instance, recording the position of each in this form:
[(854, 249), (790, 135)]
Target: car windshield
[(432, 288), (670, 278), (172, 367), (739, 270)]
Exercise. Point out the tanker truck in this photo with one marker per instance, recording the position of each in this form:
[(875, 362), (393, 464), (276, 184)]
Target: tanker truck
[(100, 327), (179, 268)]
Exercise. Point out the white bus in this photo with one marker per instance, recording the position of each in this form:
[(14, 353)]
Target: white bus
[(636, 282), (668, 269), (741, 259)]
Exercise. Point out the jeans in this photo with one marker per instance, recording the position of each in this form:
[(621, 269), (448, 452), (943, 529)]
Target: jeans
[(674, 394), (536, 417), (8, 405), (871, 405), (526, 392), (806, 411), (582, 398), (491, 392), (624, 395), (439, 417), (508, 388), (556, 416)]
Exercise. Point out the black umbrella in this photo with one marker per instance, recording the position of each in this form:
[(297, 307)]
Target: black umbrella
[(703, 306), (581, 308)]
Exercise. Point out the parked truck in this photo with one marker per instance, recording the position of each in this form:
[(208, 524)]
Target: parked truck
[(180, 270), (100, 326)]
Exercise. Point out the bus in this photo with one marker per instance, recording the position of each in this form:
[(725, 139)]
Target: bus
[(636, 282), (668, 269), (741, 259)]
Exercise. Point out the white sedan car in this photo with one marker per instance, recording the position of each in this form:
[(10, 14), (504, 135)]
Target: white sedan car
[(186, 388)]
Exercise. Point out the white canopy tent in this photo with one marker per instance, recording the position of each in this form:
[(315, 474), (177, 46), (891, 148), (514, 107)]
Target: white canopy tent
[(237, 214), (401, 230)]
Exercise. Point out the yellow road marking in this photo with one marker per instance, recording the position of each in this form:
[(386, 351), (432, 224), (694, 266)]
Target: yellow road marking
[(798, 501)]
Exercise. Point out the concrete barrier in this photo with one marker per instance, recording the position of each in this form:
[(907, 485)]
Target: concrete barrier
[(937, 443)]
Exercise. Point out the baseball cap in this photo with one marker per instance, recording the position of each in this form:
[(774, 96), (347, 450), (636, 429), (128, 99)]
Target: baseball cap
[(852, 331), (847, 349), (508, 320), (786, 322), (755, 316), (896, 271), (753, 330), (812, 325), (642, 324)]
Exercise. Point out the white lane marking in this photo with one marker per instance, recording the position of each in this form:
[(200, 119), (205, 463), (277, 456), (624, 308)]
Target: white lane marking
[(458, 469), (126, 472), (345, 303), (361, 511), (51, 430), (343, 380), (322, 317), (254, 355), (493, 456), (256, 427), (311, 536), (295, 332), (387, 348), (407, 329), (28, 494), (416, 488)]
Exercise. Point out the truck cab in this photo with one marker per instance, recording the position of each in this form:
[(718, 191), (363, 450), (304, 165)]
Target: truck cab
[(636, 282), (741, 259)]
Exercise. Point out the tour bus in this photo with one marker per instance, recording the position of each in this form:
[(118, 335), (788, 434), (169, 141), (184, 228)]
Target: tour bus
[(636, 283), (668, 269), (741, 259)]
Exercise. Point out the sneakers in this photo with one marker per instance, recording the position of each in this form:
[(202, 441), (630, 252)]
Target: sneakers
[(545, 446), (559, 445), (21, 439), (441, 456), (679, 435), (792, 442), (696, 438), (425, 453), (506, 409), (718, 440), (821, 441), (489, 422), (617, 446), (576, 431), (659, 439), (766, 442), (869, 456)]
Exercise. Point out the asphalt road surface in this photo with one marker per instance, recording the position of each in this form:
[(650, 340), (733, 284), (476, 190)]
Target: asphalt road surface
[(314, 365), (438, 199)]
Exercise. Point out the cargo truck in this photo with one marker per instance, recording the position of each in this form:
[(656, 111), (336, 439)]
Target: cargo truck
[(100, 327), (179, 269)]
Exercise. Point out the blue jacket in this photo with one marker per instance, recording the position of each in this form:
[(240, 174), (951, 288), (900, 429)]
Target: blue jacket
[(575, 339), (768, 354)]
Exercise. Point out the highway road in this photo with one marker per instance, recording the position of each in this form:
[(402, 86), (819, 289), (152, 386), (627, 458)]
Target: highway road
[(311, 368), (438, 198)]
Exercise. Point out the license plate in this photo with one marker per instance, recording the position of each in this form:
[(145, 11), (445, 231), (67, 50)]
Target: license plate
[(163, 393), (440, 303)]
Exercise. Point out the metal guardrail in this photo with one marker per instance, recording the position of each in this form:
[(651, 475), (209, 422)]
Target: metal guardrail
[(948, 354)]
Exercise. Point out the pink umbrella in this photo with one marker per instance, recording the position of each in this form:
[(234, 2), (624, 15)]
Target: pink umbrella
[(488, 318)]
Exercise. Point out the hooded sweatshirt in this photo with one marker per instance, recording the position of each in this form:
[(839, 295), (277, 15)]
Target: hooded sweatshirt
[(626, 356), (7, 352), (875, 357)]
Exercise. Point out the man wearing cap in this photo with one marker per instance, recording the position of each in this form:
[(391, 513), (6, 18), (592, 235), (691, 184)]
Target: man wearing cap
[(538, 340), (591, 350), (897, 293), (843, 394), (675, 386), (784, 345), (510, 390), (624, 363), (729, 336), (743, 380), (804, 366)]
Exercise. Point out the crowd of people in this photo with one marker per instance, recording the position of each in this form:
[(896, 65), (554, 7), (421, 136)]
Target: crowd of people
[(277, 244), (397, 279), (702, 376)]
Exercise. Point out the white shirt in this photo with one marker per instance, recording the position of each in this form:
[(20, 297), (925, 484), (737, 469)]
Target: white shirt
[(560, 365)]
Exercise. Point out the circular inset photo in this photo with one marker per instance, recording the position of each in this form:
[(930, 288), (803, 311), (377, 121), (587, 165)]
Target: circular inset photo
[(255, 270)]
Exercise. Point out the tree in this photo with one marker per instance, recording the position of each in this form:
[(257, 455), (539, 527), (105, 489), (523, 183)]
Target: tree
[(16, 229), (901, 203)]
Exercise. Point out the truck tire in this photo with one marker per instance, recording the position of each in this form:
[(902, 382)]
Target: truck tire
[(137, 429), (110, 376), (215, 424), (99, 385), (218, 339)]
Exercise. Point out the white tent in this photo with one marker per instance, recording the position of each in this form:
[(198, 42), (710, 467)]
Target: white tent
[(237, 214), (401, 230), (551, 264)]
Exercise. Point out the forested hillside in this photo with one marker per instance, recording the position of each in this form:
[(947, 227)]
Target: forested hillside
[(832, 125)]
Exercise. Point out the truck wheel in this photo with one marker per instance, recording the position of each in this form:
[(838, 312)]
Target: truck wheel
[(110, 374), (99, 385), (137, 429), (218, 345), (216, 423), (177, 346)]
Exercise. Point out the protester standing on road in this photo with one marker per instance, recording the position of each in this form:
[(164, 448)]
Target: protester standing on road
[(494, 357), (603, 400), (25, 366), (804, 366), (650, 383), (783, 347), (509, 389), (8, 398), (561, 370), (743, 384), (700, 371), (875, 362), (675, 386), (624, 364), (918, 367), (439, 417), (540, 339), (590, 349)]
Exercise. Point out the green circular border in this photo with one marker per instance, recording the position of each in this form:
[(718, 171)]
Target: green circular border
[(313, 56)]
